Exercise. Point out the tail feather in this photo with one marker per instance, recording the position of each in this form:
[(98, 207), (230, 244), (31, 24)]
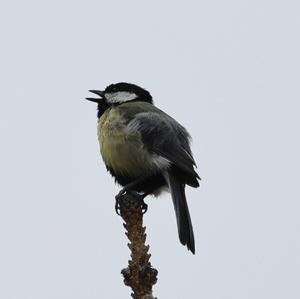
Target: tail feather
[(184, 224)]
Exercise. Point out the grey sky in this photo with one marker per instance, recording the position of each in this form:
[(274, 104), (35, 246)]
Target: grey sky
[(227, 70)]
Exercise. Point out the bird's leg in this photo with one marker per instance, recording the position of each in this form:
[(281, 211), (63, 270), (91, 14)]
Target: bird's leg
[(127, 189)]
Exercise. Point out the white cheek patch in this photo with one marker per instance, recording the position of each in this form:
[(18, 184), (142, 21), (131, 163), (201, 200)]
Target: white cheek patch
[(120, 97)]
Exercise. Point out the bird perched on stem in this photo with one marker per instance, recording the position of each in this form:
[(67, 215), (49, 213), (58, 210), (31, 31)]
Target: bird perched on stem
[(146, 150)]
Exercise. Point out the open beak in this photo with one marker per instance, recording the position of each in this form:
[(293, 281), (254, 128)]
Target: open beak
[(100, 93)]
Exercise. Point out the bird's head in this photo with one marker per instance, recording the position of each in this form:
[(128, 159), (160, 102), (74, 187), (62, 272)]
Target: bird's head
[(116, 94)]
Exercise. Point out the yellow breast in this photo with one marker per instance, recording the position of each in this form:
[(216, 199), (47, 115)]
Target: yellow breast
[(121, 150)]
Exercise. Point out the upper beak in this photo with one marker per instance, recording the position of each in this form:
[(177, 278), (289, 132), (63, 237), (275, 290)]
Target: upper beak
[(99, 93)]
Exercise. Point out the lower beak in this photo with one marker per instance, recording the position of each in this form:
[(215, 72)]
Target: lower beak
[(99, 93)]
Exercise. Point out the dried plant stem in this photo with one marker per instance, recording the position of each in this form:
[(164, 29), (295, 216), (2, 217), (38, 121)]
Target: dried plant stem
[(139, 274)]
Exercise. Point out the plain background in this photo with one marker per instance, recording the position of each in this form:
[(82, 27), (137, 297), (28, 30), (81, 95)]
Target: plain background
[(227, 70)]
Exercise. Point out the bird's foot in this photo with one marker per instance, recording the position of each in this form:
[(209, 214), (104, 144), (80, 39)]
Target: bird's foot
[(139, 197), (118, 198), (117, 204)]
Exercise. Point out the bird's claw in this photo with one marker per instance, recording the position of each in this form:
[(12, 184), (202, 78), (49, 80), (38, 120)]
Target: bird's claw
[(118, 197), (117, 207), (139, 198), (117, 204), (144, 207)]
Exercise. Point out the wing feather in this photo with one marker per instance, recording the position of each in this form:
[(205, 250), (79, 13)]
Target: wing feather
[(164, 136)]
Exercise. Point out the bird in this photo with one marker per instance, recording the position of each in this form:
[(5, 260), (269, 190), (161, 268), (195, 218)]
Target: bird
[(146, 150)]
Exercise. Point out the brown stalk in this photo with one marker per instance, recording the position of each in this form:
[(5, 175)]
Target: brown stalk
[(139, 275)]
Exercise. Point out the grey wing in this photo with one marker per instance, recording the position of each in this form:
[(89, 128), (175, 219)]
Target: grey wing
[(165, 137)]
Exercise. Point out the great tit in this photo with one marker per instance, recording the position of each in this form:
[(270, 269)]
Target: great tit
[(146, 150)]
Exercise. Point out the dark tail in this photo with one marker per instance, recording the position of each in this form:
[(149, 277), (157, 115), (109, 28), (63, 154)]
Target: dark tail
[(184, 224)]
